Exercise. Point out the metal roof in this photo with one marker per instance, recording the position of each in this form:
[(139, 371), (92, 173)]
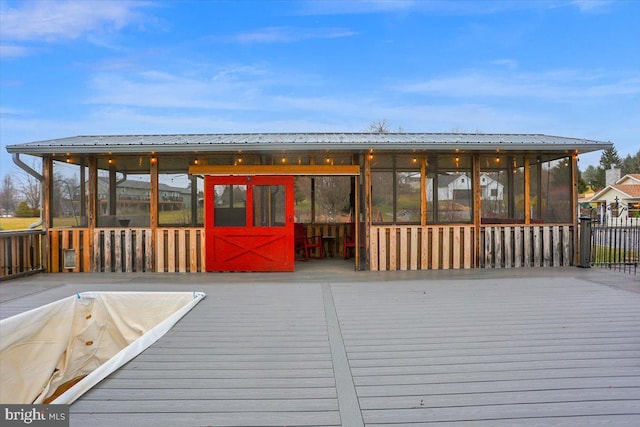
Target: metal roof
[(202, 143)]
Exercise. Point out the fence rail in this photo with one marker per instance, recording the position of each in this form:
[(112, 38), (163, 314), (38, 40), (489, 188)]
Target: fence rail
[(20, 253)]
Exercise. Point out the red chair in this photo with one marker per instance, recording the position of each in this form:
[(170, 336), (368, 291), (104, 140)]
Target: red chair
[(306, 245), (349, 248), (349, 241)]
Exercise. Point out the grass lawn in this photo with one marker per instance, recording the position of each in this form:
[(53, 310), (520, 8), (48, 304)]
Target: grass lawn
[(11, 224)]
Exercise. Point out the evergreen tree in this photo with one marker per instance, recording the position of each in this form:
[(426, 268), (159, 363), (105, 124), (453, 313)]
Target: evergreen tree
[(610, 159), (631, 164), (23, 210)]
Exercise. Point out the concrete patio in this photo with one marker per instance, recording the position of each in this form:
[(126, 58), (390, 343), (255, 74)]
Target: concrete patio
[(329, 346)]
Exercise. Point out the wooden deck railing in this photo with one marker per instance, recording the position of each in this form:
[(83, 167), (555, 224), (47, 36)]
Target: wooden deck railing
[(122, 250), (20, 252), (63, 240), (453, 246), (526, 246), (180, 250), (432, 247)]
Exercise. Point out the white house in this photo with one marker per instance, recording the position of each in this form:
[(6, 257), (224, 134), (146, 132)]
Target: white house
[(451, 187), (620, 200)]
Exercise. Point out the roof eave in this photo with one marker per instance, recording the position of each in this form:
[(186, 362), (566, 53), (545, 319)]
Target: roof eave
[(217, 147)]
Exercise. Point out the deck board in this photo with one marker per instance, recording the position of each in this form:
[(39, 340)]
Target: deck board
[(508, 352)]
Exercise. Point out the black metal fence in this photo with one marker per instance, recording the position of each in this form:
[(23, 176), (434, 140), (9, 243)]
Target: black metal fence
[(615, 239)]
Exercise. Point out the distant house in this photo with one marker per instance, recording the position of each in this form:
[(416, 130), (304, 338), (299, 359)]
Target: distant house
[(619, 200), (458, 186), (133, 199)]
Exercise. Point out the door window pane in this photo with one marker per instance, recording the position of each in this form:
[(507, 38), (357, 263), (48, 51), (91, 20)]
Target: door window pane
[(230, 205), (269, 205)]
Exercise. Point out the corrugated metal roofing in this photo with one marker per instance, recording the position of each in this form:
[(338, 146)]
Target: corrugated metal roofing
[(305, 141)]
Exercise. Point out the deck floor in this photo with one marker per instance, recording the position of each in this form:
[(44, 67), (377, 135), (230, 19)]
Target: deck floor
[(548, 347)]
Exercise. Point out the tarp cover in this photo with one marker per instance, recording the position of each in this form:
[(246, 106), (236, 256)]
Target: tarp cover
[(89, 334)]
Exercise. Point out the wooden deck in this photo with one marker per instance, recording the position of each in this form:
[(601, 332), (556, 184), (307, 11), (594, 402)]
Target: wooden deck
[(526, 347)]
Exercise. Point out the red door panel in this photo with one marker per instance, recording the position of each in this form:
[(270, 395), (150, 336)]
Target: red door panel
[(249, 223)]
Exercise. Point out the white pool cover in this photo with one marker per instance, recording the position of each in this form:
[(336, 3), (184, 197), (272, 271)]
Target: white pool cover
[(87, 335)]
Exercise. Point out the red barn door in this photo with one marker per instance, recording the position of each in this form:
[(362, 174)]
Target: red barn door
[(249, 223)]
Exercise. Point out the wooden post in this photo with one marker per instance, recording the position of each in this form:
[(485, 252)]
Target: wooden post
[(112, 190), (423, 192), (477, 205), (574, 206), (92, 209), (367, 209), (47, 174), (153, 203), (83, 190), (356, 221), (527, 191)]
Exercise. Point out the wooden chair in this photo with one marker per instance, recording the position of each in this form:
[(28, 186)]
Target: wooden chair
[(306, 245)]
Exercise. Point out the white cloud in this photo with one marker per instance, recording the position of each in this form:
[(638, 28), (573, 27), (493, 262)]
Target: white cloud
[(559, 85), (230, 87), (590, 6), (11, 51), (509, 64), (58, 20), (323, 7), (288, 35)]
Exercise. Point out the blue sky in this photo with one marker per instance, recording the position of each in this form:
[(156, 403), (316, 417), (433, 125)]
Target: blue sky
[(569, 68)]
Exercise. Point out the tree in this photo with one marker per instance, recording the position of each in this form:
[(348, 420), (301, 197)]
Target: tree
[(631, 164), (7, 195), (332, 195), (382, 126), (23, 210), (379, 126), (594, 177), (30, 186), (610, 159)]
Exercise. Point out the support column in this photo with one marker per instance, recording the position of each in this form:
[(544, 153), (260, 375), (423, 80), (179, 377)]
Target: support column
[(92, 210), (367, 209), (527, 191), (423, 191), (574, 206), (477, 205), (153, 205), (47, 174)]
